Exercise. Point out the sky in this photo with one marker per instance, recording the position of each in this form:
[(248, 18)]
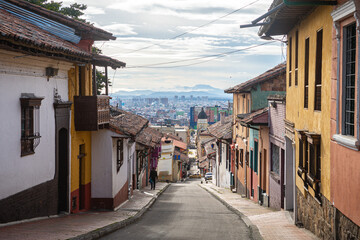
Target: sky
[(145, 31)]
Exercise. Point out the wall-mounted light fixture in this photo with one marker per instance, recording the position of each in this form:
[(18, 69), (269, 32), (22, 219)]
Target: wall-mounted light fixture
[(51, 72), (273, 104)]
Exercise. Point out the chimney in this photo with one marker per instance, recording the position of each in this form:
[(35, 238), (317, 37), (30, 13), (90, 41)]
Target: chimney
[(222, 117)]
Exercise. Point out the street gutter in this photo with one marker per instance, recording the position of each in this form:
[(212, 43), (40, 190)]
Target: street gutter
[(254, 231), (103, 231)]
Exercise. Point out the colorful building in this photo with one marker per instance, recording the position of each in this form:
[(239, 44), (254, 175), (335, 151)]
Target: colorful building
[(249, 121), (345, 120), (309, 28)]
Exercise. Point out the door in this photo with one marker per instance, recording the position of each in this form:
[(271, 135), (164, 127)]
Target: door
[(63, 181), (82, 176)]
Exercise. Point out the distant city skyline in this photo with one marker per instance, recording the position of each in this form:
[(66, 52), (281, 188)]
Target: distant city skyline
[(149, 24)]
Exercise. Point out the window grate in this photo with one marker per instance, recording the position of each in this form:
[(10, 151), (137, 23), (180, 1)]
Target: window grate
[(349, 83)]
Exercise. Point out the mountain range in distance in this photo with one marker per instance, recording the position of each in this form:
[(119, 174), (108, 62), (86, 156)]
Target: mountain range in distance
[(200, 90)]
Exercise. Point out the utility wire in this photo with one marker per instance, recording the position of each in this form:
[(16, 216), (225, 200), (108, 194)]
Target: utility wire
[(214, 56), (201, 26)]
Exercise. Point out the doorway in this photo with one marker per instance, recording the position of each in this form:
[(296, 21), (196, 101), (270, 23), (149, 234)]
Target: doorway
[(82, 176), (63, 180)]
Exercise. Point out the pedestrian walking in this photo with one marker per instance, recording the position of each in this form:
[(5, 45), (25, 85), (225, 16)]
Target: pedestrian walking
[(153, 176)]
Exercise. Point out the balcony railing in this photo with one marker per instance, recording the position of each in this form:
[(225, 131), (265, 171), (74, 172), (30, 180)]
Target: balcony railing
[(91, 112)]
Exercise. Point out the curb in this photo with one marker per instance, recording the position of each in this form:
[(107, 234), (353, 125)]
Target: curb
[(100, 232), (254, 231)]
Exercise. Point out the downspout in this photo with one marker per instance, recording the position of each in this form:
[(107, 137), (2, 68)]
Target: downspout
[(337, 28), (357, 17)]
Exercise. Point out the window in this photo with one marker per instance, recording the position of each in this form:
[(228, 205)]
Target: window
[(30, 123), (275, 158), (256, 153), (310, 162), (241, 157), (296, 57), (306, 73), (349, 78), (290, 60), (119, 154), (237, 157), (318, 69)]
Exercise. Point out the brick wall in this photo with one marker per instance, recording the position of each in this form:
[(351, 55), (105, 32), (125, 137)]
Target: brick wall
[(276, 120)]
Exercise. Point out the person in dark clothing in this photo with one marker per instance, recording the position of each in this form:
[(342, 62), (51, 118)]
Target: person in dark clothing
[(153, 176)]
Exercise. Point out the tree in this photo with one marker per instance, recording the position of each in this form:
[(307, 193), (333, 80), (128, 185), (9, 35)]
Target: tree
[(75, 11)]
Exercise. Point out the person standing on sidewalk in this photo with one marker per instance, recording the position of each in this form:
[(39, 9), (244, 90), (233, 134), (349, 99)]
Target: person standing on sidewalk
[(153, 176)]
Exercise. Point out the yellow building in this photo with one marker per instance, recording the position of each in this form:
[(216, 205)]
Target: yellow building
[(308, 91)]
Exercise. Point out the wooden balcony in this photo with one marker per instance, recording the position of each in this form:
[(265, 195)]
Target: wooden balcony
[(91, 112)]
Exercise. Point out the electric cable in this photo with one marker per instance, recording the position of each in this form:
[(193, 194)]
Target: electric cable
[(214, 56), (201, 26)]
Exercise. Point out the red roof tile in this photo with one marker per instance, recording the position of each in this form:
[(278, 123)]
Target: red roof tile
[(126, 123), (222, 131), (270, 74), (86, 30), (259, 117), (19, 35), (149, 137)]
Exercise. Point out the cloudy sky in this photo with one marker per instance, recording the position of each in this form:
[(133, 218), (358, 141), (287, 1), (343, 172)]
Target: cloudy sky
[(146, 31)]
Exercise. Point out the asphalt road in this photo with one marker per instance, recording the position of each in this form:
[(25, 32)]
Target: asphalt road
[(185, 211)]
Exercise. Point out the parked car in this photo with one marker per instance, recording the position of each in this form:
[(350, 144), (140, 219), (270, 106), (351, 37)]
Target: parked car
[(208, 176)]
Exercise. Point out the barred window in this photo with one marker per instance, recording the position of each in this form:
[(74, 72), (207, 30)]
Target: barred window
[(306, 73), (119, 154), (318, 69)]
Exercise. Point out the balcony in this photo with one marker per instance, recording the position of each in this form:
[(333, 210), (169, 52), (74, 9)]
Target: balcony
[(91, 112)]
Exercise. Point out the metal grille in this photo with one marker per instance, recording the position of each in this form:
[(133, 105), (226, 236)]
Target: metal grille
[(296, 57), (349, 83)]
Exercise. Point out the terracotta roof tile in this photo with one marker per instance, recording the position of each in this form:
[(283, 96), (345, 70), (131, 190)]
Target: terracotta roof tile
[(85, 29), (149, 137), (17, 33), (222, 131), (270, 74), (259, 117), (126, 122)]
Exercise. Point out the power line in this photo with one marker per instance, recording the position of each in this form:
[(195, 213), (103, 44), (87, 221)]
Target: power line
[(214, 56), (201, 26)]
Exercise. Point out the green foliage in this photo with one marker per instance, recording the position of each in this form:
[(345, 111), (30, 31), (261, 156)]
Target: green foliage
[(74, 11)]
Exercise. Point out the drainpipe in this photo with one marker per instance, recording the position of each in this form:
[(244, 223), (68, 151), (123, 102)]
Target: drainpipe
[(309, 3), (337, 28)]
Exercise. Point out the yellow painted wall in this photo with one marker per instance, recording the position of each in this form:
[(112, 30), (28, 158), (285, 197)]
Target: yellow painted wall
[(79, 137), (313, 121)]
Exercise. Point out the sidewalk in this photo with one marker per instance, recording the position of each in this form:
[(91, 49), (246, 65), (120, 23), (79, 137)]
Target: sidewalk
[(87, 225), (271, 224)]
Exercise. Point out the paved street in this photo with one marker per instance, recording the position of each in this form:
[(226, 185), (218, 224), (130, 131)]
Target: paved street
[(186, 211)]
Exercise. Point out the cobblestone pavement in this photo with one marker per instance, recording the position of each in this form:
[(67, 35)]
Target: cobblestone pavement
[(270, 223), (73, 225)]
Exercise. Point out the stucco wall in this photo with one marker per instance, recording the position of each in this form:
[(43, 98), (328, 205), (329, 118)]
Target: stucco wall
[(102, 164), (26, 74), (313, 121)]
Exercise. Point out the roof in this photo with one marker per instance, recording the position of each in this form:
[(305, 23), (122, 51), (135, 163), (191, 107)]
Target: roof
[(202, 114), (183, 156), (277, 97), (126, 123), (268, 75), (104, 61), (149, 137), (85, 30), (285, 18), (222, 131), (259, 117), (176, 143), (19, 35)]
